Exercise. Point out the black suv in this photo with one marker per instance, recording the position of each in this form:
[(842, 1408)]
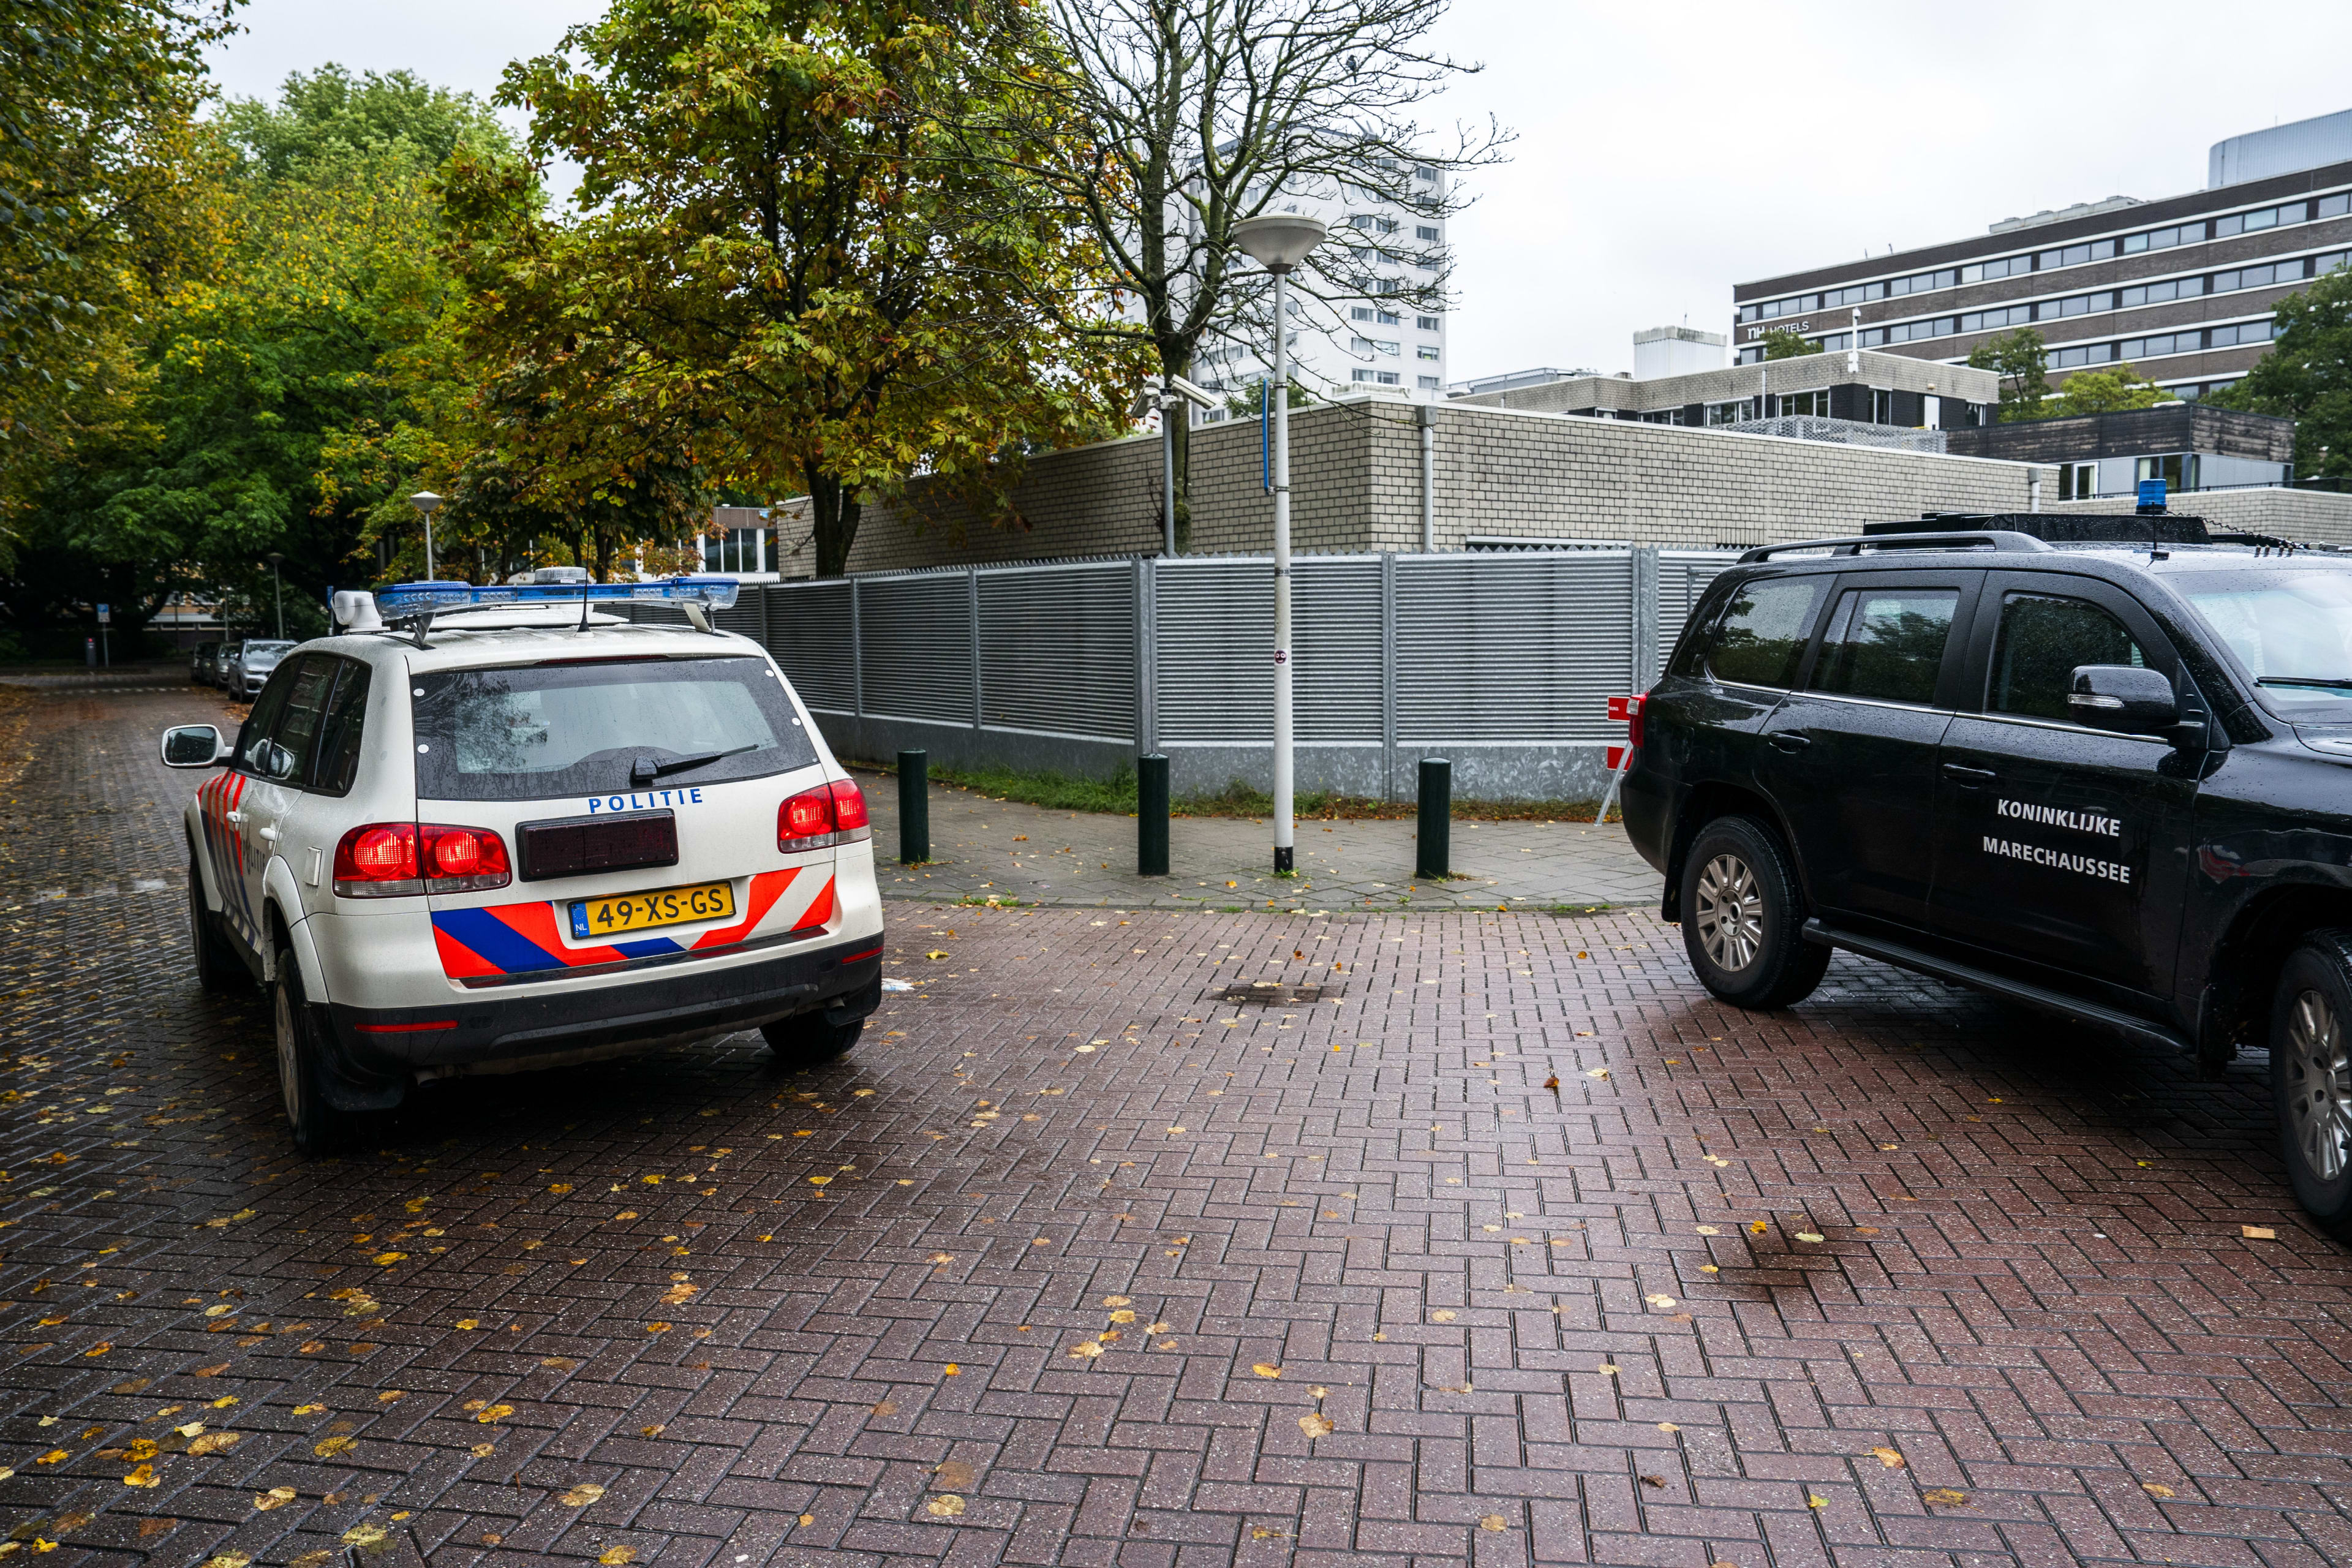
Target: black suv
[(2098, 764)]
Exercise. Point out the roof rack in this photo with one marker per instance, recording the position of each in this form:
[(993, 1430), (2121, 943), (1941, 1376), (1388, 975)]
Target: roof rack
[(2005, 539), (413, 605), (2061, 528)]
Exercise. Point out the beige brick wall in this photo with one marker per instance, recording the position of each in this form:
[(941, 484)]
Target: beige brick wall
[(1356, 486)]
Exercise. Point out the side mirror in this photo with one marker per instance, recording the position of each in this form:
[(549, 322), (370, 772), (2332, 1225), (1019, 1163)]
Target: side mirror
[(193, 746), (2123, 698)]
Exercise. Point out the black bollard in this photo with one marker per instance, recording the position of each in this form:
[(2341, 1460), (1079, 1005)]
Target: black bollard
[(1433, 850), (1152, 815), (914, 807)]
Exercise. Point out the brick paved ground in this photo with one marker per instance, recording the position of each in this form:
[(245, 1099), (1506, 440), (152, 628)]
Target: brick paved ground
[(986, 848), (693, 1311)]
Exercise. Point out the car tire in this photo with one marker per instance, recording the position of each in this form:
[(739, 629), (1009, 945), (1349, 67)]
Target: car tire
[(218, 968), (806, 1040), (2311, 1077), (317, 1127), (1744, 916)]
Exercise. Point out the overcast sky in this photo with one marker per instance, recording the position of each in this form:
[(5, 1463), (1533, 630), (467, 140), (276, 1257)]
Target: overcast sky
[(1668, 151)]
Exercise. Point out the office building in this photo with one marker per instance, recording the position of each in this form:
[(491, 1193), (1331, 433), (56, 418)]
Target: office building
[(1380, 343), (1892, 391), (2182, 289)]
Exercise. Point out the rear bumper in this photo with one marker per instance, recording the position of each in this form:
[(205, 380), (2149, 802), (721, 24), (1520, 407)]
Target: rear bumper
[(379, 1048)]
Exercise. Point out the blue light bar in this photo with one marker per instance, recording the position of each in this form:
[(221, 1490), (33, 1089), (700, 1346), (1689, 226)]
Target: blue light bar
[(428, 598)]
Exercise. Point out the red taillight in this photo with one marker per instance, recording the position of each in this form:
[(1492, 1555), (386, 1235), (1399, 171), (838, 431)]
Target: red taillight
[(1634, 721), (378, 861), (808, 815), (395, 860), (848, 807), (463, 860), (829, 813)]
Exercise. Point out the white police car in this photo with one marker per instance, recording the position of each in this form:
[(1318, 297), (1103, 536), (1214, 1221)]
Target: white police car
[(490, 829)]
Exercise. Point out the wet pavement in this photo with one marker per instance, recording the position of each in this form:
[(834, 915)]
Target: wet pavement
[(1072, 1262)]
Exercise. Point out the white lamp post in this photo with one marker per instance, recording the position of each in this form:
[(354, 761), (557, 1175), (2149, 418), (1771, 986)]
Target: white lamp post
[(1278, 242), (428, 503)]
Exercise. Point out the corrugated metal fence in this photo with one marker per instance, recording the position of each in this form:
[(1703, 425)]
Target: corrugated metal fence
[(1503, 660)]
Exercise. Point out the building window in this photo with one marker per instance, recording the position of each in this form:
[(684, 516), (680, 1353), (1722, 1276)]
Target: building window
[(2081, 355), (2080, 305), (2155, 347), (1990, 321), (2176, 469), (1428, 323), (1427, 231), (1426, 352), (1387, 377), (2323, 264), (1734, 413), (1814, 405), (1361, 221), (2244, 333), (2007, 267), (2156, 293), (2265, 218), (1360, 375), (2257, 277), (1922, 282), (1428, 382), (2075, 255), (1424, 172), (1359, 345), (2077, 481), (1910, 332), (2163, 238), (1882, 406), (1359, 312), (1754, 356), (2335, 206)]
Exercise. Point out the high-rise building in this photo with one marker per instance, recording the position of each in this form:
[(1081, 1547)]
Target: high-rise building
[(2182, 289), (1379, 341)]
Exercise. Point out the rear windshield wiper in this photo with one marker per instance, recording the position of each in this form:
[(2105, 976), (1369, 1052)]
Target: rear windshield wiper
[(646, 768), (2333, 682)]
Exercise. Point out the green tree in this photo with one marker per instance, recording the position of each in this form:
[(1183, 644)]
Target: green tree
[(1787, 343), (106, 188), (267, 388), (2307, 377), (2105, 392), (2021, 358), (332, 115), (787, 254)]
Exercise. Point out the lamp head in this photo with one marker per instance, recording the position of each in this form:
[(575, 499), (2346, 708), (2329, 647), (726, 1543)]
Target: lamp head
[(425, 501), (1278, 241)]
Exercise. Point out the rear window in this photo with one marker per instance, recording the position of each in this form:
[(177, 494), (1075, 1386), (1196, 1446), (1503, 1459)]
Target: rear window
[(607, 727)]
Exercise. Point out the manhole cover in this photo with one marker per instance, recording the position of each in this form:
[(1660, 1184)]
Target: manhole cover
[(1273, 992)]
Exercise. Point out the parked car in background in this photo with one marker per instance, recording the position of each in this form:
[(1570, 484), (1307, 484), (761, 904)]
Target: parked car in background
[(249, 664), (204, 664)]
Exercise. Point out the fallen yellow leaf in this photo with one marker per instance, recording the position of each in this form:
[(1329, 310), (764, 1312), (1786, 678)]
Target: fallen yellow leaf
[(1945, 1496), (2156, 1488), (275, 1497), (581, 1495), (1265, 1369), (1316, 1425), (945, 1506), (1889, 1457)]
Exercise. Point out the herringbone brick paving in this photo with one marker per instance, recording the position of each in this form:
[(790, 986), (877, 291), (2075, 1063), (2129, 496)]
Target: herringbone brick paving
[(1013, 1283)]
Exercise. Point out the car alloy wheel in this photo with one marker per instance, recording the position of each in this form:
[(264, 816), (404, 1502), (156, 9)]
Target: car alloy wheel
[(2318, 1087), (1731, 914), (289, 1065)]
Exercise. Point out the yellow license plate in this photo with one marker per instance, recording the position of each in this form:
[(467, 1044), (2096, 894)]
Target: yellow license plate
[(595, 917)]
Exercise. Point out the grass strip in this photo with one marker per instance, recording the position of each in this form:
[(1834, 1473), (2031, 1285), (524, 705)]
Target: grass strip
[(1116, 795)]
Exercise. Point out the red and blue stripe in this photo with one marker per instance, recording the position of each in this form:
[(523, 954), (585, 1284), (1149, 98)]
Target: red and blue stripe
[(525, 938)]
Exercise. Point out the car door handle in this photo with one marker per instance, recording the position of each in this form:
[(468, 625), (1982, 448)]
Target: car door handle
[(1969, 776), (1786, 742), (268, 835), (238, 816)]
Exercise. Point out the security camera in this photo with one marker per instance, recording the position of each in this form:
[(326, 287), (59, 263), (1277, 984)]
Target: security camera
[(1191, 392)]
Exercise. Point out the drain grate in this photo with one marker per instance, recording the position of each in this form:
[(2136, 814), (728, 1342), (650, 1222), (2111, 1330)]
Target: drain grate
[(1274, 993)]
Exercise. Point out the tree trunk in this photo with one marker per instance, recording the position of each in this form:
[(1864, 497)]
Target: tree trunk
[(1181, 445), (833, 515)]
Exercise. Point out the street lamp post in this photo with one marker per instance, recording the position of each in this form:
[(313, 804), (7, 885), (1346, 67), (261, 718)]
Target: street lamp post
[(1279, 242), (278, 591), (428, 503)]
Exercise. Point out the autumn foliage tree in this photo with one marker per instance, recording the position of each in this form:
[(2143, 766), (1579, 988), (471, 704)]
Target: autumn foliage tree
[(783, 257)]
